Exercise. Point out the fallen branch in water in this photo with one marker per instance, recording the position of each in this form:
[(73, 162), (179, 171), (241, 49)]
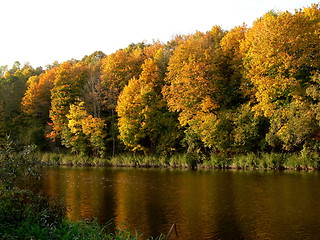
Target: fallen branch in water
[(174, 225)]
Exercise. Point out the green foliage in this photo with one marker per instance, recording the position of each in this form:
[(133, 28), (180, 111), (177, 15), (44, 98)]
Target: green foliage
[(13, 84), (192, 142), (16, 164), (216, 132), (22, 206), (293, 126), (50, 158), (67, 230), (249, 130), (18, 204)]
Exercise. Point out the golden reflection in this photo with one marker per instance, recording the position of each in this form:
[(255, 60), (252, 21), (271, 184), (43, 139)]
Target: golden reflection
[(81, 191), (130, 201), (205, 204), (121, 199)]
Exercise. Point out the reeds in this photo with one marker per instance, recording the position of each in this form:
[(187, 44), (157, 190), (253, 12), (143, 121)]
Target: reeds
[(305, 159)]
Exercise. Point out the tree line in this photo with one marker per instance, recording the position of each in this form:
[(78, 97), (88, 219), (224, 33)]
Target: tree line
[(224, 92)]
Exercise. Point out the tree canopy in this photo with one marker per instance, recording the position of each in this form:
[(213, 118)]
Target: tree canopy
[(244, 90)]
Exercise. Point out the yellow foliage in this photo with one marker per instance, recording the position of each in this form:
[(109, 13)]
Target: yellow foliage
[(281, 50), (191, 78)]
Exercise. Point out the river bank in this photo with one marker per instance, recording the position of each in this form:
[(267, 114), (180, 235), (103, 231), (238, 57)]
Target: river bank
[(304, 160), (26, 213)]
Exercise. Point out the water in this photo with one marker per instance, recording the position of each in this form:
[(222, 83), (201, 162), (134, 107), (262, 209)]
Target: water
[(213, 204)]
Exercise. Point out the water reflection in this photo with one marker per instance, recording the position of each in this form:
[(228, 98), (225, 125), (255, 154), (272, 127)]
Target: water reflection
[(204, 204)]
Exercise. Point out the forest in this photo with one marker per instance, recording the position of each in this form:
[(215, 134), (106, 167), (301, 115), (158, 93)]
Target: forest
[(245, 90)]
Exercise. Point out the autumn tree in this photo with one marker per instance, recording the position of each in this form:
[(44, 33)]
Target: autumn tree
[(35, 106), (192, 79), (93, 89), (13, 84), (234, 86), (69, 80), (145, 124), (204, 85), (84, 133), (281, 55), (248, 131), (116, 71), (36, 101)]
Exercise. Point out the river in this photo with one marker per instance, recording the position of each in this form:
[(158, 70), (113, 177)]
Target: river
[(204, 204)]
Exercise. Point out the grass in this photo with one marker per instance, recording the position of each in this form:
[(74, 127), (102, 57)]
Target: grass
[(186, 160), (217, 161), (26, 214), (135, 160), (71, 159), (305, 159), (68, 230)]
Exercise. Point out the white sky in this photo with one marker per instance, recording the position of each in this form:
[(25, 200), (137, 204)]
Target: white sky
[(42, 31)]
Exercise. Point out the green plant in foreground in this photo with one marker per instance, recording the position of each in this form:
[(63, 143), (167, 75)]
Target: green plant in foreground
[(25, 214)]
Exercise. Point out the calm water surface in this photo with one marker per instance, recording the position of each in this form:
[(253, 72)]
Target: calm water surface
[(212, 204)]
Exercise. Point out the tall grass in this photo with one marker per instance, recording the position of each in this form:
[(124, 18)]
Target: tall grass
[(56, 159), (81, 230), (306, 159), (217, 161), (185, 160), (273, 160), (136, 160)]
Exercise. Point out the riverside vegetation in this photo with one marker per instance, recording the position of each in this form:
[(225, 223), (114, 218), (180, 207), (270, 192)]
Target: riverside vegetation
[(246, 97), (304, 160), (27, 214)]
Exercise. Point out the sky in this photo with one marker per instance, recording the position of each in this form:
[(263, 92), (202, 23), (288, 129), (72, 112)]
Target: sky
[(43, 31)]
